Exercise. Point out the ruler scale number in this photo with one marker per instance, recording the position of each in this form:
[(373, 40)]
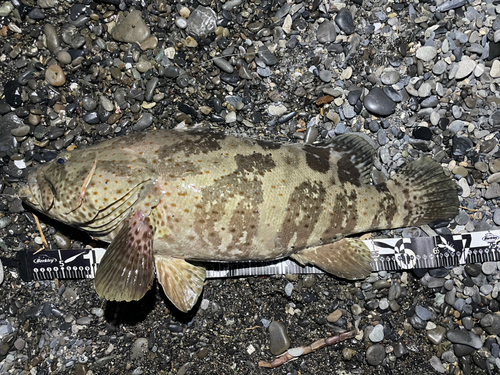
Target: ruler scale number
[(390, 254)]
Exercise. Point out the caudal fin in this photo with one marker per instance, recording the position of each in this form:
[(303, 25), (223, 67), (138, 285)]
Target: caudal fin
[(426, 192)]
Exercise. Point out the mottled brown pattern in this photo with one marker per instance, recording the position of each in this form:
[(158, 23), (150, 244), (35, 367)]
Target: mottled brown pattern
[(387, 208), (268, 145), (348, 172), (303, 210), (318, 158), (246, 183), (191, 143)]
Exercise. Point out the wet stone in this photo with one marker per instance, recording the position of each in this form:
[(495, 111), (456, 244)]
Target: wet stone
[(436, 335), (279, 341), (463, 337), (144, 122), (491, 324), (379, 103), (13, 93), (345, 21)]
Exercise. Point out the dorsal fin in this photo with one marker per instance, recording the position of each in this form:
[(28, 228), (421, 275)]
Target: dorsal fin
[(355, 151)]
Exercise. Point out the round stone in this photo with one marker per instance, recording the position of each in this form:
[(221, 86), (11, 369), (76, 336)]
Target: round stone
[(378, 103), (375, 354), (55, 76)]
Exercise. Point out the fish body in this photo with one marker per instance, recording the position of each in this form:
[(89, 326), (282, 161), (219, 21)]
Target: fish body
[(166, 198)]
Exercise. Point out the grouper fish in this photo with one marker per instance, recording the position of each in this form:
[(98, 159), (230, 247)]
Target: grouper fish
[(167, 200)]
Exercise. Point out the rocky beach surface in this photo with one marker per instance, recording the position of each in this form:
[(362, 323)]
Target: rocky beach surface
[(416, 78)]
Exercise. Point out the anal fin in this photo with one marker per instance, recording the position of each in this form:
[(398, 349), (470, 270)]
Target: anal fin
[(126, 271), (182, 282), (348, 258)]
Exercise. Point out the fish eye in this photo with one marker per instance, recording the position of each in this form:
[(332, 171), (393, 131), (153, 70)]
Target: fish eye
[(61, 161)]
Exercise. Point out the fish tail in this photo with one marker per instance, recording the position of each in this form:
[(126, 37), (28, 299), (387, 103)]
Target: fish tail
[(425, 193)]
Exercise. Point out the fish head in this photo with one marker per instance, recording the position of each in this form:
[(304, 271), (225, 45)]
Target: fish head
[(94, 189)]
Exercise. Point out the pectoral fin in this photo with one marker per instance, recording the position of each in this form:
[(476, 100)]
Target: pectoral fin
[(126, 271), (348, 258), (182, 282)]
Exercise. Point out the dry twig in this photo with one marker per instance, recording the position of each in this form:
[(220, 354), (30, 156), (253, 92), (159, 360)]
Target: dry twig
[(44, 241), (294, 353)]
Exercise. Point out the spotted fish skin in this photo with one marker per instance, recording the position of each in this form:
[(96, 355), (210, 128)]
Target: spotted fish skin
[(211, 197)]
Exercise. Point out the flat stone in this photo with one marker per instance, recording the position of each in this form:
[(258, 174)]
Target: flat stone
[(492, 191), (131, 28), (495, 69), (326, 32), (426, 53), (460, 336), (377, 102), (279, 342), (437, 365), (465, 68)]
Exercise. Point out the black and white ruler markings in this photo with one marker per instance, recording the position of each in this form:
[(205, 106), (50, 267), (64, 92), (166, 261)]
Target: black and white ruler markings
[(387, 254)]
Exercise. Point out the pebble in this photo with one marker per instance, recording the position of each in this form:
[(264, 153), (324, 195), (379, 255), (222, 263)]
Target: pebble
[(437, 365), (377, 334), (375, 354), (379, 103), (139, 348), (465, 338), (279, 342), (326, 32), (131, 28), (465, 68), (55, 76), (334, 316), (202, 21), (426, 53), (345, 21)]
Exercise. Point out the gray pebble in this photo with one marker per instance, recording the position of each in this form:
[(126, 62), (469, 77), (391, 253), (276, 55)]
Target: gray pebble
[(289, 289), (460, 336), (144, 122), (326, 32), (279, 342), (437, 365), (51, 37), (223, 64), (378, 103), (436, 335), (139, 348), (375, 354), (377, 334), (488, 267), (491, 324)]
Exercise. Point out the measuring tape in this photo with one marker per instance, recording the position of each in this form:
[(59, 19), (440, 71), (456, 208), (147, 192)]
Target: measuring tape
[(390, 254)]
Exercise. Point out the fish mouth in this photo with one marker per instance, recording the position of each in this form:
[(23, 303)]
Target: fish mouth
[(24, 193)]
